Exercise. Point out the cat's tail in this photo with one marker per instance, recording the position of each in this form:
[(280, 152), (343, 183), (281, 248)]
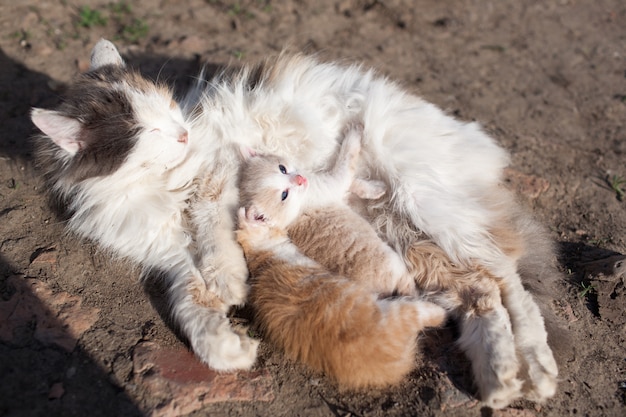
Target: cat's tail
[(387, 353)]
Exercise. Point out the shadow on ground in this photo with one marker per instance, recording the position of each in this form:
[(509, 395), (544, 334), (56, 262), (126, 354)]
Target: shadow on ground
[(39, 377)]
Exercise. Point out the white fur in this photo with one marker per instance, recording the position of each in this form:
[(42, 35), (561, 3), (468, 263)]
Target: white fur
[(439, 171), (63, 130)]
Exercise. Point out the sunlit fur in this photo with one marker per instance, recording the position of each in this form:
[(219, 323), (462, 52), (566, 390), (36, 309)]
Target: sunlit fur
[(325, 307), (443, 177), (119, 156), (319, 221)]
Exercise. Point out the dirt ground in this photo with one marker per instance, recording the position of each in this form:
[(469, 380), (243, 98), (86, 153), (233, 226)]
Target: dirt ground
[(546, 78)]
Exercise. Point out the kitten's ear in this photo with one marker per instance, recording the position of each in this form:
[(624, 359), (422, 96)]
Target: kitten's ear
[(63, 130), (105, 53), (253, 214), (247, 152)]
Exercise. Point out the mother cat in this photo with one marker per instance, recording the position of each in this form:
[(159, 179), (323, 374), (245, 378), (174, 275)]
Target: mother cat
[(155, 182)]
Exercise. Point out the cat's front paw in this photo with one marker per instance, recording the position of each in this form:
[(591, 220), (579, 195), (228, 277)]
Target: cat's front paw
[(224, 349), (235, 290)]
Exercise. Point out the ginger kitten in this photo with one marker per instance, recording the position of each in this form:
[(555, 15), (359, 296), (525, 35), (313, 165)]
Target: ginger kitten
[(318, 271)]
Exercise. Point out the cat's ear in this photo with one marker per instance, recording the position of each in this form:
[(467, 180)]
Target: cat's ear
[(247, 152), (63, 130), (105, 53), (253, 214)]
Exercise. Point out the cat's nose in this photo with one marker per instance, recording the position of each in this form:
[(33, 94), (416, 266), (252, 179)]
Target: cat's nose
[(183, 137), (300, 179)]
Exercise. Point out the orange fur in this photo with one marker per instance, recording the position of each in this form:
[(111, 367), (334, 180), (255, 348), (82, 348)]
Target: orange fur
[(333, 324), (318, 270), (346, 244)]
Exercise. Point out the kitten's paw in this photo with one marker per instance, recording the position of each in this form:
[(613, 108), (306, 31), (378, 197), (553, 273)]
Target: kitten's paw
[(430, 314), (225, 350), (368, 189)]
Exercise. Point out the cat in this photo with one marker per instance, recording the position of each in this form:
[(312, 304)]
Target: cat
[(127, 160), (119, 155), (327, 310)]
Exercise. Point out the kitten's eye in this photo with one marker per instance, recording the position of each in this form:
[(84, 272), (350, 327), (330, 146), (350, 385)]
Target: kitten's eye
[(283, 170), (284, 195)]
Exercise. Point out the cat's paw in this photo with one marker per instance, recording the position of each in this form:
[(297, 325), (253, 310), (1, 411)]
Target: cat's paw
[(224, 349), (542, 374), (234, 290), (499, 383), (507, 391), (488, 341)]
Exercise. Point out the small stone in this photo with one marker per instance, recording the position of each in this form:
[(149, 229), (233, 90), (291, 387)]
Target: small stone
[(56, 391), (45, 258)]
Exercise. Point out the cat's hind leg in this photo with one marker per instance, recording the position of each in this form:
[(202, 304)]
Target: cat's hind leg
[(531, 339), (540, 370), (473, 295), (487, 339)]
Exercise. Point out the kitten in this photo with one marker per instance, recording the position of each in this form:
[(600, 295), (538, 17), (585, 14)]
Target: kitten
[(318, 219), (116, 154), (327, 311)]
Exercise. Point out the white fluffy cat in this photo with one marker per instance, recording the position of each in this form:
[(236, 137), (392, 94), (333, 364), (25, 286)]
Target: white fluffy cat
[(129, 164)]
